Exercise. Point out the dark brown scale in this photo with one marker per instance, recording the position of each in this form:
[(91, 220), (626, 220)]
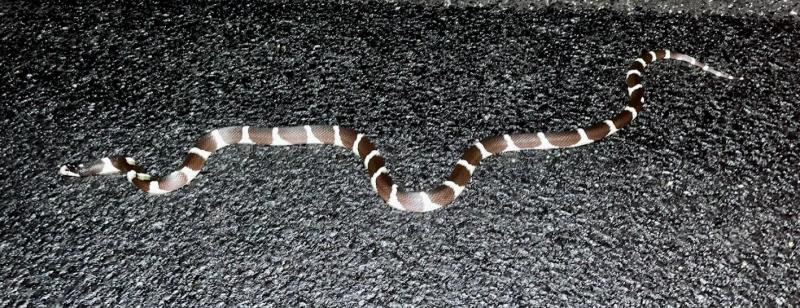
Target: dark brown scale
[(460, 175), (660, 54), (293, 134), (323, 133), (495, 144), (472, 155), (636, 99), (141, 184), (636, 66), (206, 143), (364, 147), (138, 169), (526, 141), (122, 164), (598, 131), (633, 80), (622, 119), (442, 195), (383, 184), (375, 163), (348, 137), (260, 135), (231, 135), (647, 57), (194, 161), (563, 139)]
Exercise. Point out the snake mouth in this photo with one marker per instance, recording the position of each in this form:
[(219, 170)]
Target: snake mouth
[(69, 170)]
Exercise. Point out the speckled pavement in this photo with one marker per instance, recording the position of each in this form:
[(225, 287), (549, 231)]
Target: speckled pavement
[(695, 204)]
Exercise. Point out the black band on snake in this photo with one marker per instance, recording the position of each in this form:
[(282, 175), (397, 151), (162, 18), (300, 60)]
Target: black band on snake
[(381, 182)]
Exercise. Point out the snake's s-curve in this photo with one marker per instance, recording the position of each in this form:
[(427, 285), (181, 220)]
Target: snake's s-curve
[(359, 144)]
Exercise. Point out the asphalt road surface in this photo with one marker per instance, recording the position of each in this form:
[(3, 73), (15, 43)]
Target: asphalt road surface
[(696, 203)]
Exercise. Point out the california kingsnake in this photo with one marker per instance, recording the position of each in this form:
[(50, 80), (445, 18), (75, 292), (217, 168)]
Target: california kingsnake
[(381, 182)]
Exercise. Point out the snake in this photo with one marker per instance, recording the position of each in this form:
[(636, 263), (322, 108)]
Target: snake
[(370, 156)]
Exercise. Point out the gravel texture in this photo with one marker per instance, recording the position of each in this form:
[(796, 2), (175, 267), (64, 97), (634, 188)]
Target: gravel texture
[(695, 204), (778, 9)]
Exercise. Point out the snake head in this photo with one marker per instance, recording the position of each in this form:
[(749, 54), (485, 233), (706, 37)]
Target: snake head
[(71, 169)]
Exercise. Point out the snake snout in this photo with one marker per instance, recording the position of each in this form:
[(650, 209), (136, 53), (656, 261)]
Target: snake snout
[(70, 170)]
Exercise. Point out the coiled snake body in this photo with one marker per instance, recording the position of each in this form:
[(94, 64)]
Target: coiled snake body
[(381, 182)]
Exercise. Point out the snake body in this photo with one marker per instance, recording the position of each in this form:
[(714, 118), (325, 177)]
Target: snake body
[(359, 144)]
